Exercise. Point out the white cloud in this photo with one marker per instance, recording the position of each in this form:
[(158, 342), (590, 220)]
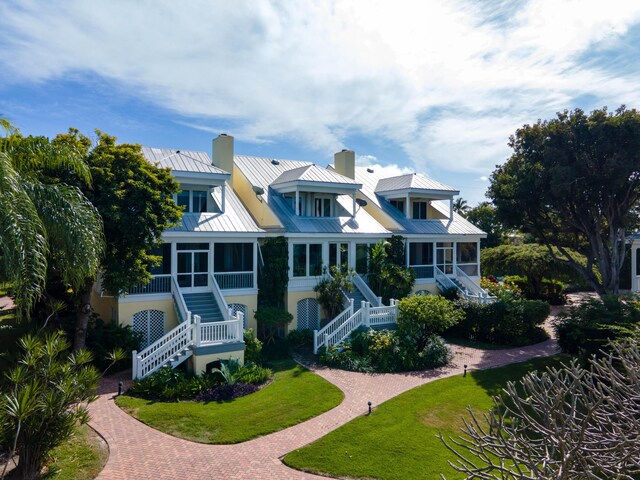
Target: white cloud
[(483, 178), (386, 169), (446, 81)]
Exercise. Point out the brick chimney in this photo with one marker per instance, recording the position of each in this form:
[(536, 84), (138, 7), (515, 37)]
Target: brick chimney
[(222, 153), (345, 163)]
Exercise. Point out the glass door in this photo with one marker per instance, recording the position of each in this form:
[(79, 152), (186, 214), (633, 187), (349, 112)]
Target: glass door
[(444, 257), (339, 256), (193, 266)]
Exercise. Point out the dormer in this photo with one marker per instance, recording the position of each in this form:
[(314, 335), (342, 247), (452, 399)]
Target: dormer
[(311, 191), (413, 193), (203, 185)]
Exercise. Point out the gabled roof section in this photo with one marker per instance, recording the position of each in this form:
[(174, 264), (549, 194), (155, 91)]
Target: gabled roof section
[(413, 181), (313, 174), (182, 161), (234, 220), (458, 225)]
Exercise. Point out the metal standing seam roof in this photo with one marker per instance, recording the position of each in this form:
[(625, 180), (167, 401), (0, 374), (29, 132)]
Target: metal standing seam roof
[(409, 181), (313, 173), (182, 160), (456, 226), (262, 172)]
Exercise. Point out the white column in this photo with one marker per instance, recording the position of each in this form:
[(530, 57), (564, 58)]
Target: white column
[(407, 245), (634, 273), (354, 205), (454, 258), (406, 208), (255, 264), (224, 197), (478, 257), (325, 254), (451, 209), (297, 208), (174, 259)]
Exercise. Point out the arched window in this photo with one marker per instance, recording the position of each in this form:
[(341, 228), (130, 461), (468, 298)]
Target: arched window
[(308, 314), (150, 323), (239, 307)]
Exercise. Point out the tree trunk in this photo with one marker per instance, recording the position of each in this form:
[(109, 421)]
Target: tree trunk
[(83, 314), (30, 464)]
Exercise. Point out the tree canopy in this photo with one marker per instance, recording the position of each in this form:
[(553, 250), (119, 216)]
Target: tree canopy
[(574, 180), (485, 218)]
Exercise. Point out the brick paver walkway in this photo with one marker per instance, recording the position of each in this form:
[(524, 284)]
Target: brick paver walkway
[(140, 452)]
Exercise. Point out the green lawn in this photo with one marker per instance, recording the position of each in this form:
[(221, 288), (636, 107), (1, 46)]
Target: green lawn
[(81, 458), (398, 440), (294, 395)]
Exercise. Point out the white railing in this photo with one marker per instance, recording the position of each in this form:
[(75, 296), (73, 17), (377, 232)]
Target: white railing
[(384, 315), (222, 303), (160, 352), (184, 315), (157, 284), (212, 333), (422, 271), (470, 269), (234, 280), (332, 326), (474, 291), (445, 282), (347, 321), (367, 293)]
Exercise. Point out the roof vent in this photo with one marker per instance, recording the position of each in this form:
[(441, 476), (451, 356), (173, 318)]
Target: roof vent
[(370, 170), (344, 149), (223, 134), (258, 190), (275, 162), (177, 151)]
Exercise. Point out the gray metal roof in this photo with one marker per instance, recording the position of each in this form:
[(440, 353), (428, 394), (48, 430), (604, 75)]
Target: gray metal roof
[(263, 172), (235, 219), (182, 160), (456, 226), (313, 173), (411, 181)]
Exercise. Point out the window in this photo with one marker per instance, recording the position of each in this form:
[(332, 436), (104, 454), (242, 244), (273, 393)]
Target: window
[(339, 255), (165, 266), (322, 207), (419, 210), (233, 257), (421, 253), (192, 200), (362, 258), (467, 257), (291, 200), (399, 204), (307, 260)]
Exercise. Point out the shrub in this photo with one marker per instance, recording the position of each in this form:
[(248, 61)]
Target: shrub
[(301, 339), (331, 290), (550, 290), (225, 393), (587, 328), (422, 316), (252, 347), (103, 338), (436, 353), (253, 374), (344, 359), (271, 320), (451, 293), (507, 321), (386, 278)]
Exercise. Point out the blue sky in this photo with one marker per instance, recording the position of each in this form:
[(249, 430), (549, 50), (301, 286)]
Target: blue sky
[(429, 86)]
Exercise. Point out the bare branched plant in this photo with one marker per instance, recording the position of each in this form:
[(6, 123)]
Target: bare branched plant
[(565, 423)]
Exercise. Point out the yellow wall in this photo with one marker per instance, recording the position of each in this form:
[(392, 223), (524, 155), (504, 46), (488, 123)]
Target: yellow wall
[(251, 301), (199, 362), (259, 210), (434, 214), (425, 286), (126, 311), (381, 217), (103, 306), (292, 305)]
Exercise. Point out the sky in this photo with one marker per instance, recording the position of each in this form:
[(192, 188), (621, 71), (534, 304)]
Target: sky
[(430, 86)]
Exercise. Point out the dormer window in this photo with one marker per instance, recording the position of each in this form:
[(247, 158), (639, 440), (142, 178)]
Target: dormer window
[(420, 210), (399, 204), (192, 200), (322, 207)]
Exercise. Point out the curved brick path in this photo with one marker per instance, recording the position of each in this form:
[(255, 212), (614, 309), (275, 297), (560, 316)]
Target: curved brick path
[(140, 452)]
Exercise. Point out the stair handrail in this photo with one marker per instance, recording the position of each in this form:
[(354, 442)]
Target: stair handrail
[(156, 355), (446, 281), (366, 291), (184, 315), (330, 327), (348, 326), (217, 294), (470, 283)]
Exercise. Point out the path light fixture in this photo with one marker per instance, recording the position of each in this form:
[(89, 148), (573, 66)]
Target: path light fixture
[(120, 387), (465, 371), (369, 403)]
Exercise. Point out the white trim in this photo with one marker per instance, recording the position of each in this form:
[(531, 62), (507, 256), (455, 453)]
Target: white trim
[(232, 292), (147, 297)]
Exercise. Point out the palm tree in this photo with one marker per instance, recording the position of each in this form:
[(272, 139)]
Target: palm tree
[(460, 206), (43, 221)]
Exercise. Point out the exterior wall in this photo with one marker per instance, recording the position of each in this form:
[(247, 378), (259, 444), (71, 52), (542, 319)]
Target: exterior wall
[(431, 287), (432, 213), (127, 309), (259, 210), (106, 307), (381, 217), (198, 363), (251, 301), (292, 305)]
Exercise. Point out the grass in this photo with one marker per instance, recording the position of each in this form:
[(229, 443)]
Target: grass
[(81, 458), (294, 395), (398, 440)]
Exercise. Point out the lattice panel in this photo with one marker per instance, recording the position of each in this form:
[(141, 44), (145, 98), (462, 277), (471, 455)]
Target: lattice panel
[(150, 323), (239, 307), (308, 314)]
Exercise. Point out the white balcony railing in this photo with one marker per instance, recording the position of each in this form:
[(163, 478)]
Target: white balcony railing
[(422, 271), (157, 284), (234, 280)]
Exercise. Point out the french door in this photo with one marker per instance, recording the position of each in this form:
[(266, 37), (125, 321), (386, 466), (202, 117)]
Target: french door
[(339, 256), (444, 257), (193, 266)]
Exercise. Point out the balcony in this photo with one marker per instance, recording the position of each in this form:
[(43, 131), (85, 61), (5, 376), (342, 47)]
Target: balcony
[(234, 280), (157, 284), (422, 271)]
